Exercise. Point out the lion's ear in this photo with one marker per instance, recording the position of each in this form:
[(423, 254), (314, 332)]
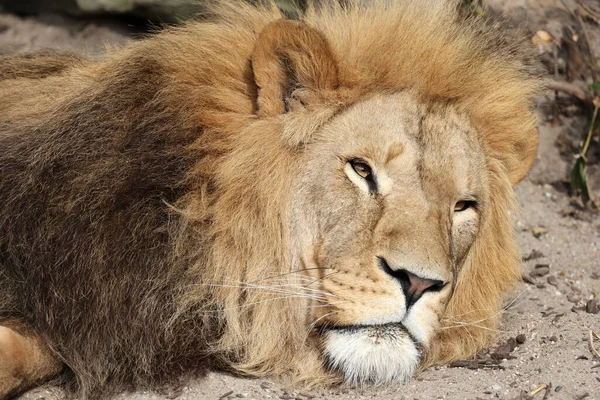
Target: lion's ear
[(290, 55), (524, 152)]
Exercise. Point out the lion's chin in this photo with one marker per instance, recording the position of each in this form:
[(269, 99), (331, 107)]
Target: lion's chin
[(373, 354)]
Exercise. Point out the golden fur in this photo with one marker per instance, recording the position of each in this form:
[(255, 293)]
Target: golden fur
[(160, 212)]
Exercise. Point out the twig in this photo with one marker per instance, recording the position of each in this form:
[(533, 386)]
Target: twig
[(590, 132), (592, 335), (589, 45), (555, 109), (538, 389), (589, 12), (569, 88), (476, 364), (548, 391)]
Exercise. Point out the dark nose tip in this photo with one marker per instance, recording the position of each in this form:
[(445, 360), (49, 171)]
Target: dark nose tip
[(413, 285)]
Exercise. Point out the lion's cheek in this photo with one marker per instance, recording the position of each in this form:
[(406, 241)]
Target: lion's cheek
[(423, 320)]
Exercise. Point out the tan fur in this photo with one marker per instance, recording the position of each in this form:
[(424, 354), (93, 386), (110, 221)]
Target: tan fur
[(25, 361), (190, 201)]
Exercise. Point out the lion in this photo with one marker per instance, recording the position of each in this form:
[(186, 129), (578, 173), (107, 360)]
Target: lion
[(324, 200)]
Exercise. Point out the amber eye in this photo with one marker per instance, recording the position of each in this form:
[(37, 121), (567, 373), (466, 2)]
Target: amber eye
[(463, 205), (362, 169)]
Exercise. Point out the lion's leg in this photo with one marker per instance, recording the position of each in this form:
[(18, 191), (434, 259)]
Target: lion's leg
[(24, 361)]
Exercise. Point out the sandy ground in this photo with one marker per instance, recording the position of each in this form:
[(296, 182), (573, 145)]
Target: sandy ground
[(545, 335)]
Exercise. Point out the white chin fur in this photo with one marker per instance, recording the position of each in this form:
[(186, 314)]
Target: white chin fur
[(373, 354)]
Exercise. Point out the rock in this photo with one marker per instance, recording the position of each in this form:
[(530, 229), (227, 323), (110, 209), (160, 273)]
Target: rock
[(591, 307), (573, 298), (552, 280), (521, 337), (540, 270), (538, 231), (502, 352), (533, 255)]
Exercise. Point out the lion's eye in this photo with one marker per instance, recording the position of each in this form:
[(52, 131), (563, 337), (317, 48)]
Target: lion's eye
[(463, 205), (362, 169), (361, 174)]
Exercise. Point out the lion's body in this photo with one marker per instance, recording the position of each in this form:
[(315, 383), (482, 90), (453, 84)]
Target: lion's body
[(144, 195)]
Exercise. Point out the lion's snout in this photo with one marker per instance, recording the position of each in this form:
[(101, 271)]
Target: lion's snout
[(413, 285)]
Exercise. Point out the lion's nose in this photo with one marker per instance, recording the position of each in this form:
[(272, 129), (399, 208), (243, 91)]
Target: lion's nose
[(413, 286)]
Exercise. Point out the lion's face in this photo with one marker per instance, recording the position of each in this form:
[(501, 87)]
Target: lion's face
[(388, 206)]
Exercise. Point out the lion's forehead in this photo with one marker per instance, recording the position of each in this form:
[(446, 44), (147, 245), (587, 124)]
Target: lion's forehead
[(428, 147)]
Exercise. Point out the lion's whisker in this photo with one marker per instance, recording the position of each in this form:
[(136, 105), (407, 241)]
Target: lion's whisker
[(294, 272), (314, 323), (291, 285), (246, 305), (452, 318), (272, 288), (467, 324)]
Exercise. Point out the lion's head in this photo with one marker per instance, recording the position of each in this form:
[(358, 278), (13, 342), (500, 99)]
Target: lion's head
[(375, 186), (387, 209)]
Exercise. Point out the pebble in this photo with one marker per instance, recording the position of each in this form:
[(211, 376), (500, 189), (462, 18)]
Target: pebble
[(558, 388), (573, 298), (521, 337), (538, 231), (533, 255), (224, 396), (552, 280), (541, 270), (592, 307)]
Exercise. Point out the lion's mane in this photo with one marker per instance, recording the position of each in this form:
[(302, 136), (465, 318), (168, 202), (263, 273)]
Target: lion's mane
[(130, 173)]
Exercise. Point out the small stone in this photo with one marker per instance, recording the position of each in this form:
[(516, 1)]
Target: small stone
[(502, 352), (553, 339), (573, 298), (558, 388), (521, 337), (592, 307), (226, 395), (541, 270), (552, 280), (538, 231), (557, 317), (265, 385), (533, 255)]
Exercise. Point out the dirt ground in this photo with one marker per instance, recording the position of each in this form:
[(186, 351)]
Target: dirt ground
[(545, 336)]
